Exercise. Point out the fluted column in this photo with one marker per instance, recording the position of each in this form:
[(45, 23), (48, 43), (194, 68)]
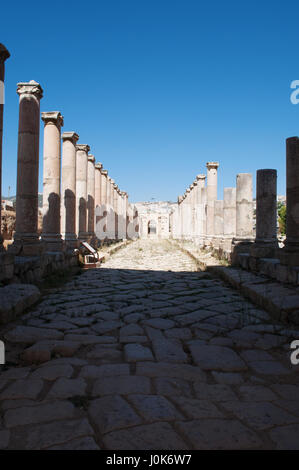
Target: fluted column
[(212, 168), (68, 189), (81, 191), (26, 240), (51, 232), (4, 55)]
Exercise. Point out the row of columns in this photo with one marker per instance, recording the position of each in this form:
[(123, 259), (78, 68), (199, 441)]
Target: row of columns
[(200, 216), (228, 224), (75, 189)]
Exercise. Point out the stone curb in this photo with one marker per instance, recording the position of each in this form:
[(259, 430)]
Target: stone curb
[(282, 303)]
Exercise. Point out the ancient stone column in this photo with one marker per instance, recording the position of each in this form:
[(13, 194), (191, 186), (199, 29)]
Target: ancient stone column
[(122, 233), (229, 218), (98, 177), (110, 210), (244, 209), (199, 208), (91, 198), (218, 223), (193, 208), (81, 191), (289, 255), (188, 214), (265, 244), (115, 208), (26, 240), (203, 231), (51, 232), (104, 180), (68, 189), (212, 168), (4, 54)]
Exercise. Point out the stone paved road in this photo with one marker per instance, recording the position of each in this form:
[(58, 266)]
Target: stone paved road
[(148, 353)]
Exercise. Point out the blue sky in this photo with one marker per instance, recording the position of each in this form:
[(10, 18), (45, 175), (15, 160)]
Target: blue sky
[(158, 88)]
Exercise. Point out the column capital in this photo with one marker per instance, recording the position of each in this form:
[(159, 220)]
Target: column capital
[(212, 165), (53, 116), (91, 158), (98, 166), (30, 88), (72, 136), (105, 173), (200, 177), (4, 54), (83, 147), (180, 198)]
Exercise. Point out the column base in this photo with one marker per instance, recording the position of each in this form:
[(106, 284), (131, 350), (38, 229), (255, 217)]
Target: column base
[(53, 242), (26, 245), (70, 241), (288, 257), (83, 237), (263, 249), (240, 245)]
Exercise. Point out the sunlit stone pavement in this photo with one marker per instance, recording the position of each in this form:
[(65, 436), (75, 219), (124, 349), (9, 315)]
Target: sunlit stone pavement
[(148, 353)]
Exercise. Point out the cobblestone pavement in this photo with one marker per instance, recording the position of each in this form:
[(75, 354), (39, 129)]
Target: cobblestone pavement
[(148, 353)]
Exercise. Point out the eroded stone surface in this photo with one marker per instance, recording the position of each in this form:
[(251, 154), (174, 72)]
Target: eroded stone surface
[(147, 353)]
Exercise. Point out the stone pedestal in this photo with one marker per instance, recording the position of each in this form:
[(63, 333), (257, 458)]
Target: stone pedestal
[(265, 244), (68, 190), (4, 55), (90, 198), (26, 239), (51, 232), (81, 191), (289, 255)]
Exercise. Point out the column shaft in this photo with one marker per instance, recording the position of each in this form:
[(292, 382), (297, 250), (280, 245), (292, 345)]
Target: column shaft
[(26, 241), (4, 54), (81, 191), (68, 189), (211, 195), (51, 233), (244, 219), (90, 197), (290, 253)]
